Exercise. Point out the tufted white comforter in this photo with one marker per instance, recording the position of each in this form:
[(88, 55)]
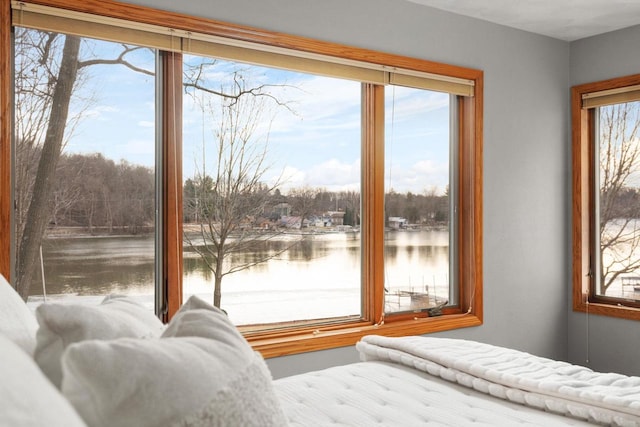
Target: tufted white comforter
[(603, 398), (386, 394)]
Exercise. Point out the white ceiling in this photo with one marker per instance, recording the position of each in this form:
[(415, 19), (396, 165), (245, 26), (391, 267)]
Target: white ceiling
[(562, 19)]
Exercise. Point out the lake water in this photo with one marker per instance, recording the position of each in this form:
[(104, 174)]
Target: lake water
[(319, 277)]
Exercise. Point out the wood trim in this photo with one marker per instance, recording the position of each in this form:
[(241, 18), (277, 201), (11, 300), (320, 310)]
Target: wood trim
[(614, 83), (610, 310), (377, 246), (583, 205), (470, 219), (475, 132), (172, 181), (478, 215), (6, 123), (184, 22), (581, 229), (372, 199), (321, 339)]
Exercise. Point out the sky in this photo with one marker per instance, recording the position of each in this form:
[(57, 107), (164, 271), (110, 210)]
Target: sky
[(314, 142)]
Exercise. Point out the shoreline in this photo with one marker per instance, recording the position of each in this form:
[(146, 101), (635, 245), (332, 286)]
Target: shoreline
[(194, 229), (80, 232)]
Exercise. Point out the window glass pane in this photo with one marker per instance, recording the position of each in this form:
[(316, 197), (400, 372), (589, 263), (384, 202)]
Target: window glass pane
[(84, 168), (417, 213), (271, 173), (618, 186)]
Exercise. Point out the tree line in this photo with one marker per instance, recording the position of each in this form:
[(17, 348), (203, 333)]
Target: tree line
[(307, 203), (98, 194)]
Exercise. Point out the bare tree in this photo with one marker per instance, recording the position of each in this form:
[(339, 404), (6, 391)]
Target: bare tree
[(233, 202), (303, 201), (619, 201), (351, 200), (91, 190), (134, 196), (47, 74), (39, 210), (394, 203), (196, 83), (35, 79), (67, 190)]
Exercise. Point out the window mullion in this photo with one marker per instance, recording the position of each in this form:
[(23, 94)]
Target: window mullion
[(470, 207), (171, 125), (372, 230), (594, 261), (6, 90)]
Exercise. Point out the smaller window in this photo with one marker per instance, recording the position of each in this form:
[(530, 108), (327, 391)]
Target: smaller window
[(606, 197), (84, 168), (286, 251), (419, 268)]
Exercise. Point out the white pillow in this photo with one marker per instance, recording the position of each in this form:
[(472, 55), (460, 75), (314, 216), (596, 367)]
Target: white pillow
[(64, 324), (201, 372), (27, 398), (17, 322)]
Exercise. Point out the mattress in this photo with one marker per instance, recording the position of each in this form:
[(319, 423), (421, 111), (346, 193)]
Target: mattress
[(541, 383), (377, 393)]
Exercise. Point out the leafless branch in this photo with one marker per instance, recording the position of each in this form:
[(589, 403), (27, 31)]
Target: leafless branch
[(119, 60)]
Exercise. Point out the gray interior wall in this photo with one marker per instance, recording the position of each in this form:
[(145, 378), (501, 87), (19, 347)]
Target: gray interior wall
[(525, 155), (604, 343)]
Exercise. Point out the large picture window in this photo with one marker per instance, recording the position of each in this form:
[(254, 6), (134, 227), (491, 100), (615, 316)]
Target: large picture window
[(315, 192), (606, 123)]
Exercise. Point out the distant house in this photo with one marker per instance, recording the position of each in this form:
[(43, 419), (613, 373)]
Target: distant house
[(316, 221), (290, 221), (336, 217), (282, 209), (397, 222), (293, 222), (263, 223)]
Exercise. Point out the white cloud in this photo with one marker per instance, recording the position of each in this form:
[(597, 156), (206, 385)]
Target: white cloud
[(312, 144), (332, 175), (420, 176), (287, 178), (319, 104), (139, 146), (407, 102), (100, 112)]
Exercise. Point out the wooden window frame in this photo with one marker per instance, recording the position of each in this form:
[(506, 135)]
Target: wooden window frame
[(468, 312), (584, 168)]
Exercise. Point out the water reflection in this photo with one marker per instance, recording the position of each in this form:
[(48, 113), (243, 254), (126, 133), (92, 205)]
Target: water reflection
[(97, 266), (317, 277)]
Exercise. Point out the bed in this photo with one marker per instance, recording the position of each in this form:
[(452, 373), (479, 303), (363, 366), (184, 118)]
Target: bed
[(450, 382), (386, 394), (115, 364)]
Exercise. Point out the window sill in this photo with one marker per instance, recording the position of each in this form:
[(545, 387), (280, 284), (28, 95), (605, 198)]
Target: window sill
[(327, 339), (620, 311)]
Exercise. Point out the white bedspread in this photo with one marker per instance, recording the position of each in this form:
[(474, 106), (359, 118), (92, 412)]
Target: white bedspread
[(385, 394), (603, 398)]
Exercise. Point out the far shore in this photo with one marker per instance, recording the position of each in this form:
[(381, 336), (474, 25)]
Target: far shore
[(67, 232), (57, 232)]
